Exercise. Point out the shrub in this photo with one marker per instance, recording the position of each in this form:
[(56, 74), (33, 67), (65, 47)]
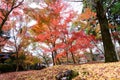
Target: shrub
[(7, 67)]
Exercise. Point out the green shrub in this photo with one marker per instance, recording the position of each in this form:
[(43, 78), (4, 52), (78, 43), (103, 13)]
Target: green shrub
[(7, 67), (74, 74)]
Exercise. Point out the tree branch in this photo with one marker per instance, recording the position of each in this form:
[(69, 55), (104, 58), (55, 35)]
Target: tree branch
[(1, 18), (7, 14), (111, 4), (18, 4)]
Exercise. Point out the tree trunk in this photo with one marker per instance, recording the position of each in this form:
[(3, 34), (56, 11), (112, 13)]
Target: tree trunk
[(17, 62), (109, 49), (58, 60), (73, 58), (67, 57), (46, 61), (91, 55), (53, 58)]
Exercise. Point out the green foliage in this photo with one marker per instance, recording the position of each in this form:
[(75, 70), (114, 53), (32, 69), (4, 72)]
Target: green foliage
[(36, 60), (75, 73), (11, 59), (7, 67), (118, 28), (116, 8)]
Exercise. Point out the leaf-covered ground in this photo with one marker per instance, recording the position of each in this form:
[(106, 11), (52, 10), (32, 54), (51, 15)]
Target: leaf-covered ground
[(98, 71)]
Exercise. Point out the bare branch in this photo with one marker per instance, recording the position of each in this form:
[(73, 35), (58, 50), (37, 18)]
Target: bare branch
[(7, 14), (111, 4), (20, 3)]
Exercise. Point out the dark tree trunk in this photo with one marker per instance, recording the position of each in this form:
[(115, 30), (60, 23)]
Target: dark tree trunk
[(109, 49), (17, 62), (91, 55), (53, 58), (73, 58), (46, 61), (67, 57), (57, 60)]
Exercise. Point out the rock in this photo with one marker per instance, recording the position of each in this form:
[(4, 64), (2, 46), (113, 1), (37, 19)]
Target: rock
[(59, 76), (67, 75), (64, 78)]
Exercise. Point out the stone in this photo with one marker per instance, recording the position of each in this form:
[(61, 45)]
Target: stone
[(67, 75)]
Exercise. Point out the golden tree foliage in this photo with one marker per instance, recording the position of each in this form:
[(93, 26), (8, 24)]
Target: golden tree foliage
[(87, 14), (88, 22)]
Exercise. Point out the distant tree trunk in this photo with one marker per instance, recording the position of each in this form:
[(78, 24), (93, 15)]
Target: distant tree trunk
[(17, 62), (53, 58), (46, 61), (109, 49), (67, 57), (73, 58), (91, 55), (58, 60), (116, 36)]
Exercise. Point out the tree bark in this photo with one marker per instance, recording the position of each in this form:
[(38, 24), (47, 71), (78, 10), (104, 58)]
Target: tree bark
[(67, 57), (46, 61), (17, 62), (109, 49), (73, 58), (53, 58), (91, 55), (58, 60)]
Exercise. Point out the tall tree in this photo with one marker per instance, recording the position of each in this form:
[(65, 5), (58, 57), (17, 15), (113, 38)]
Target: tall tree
[(20, 38), (109, 49), (6, 8), (79, 41), (51, 23)]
